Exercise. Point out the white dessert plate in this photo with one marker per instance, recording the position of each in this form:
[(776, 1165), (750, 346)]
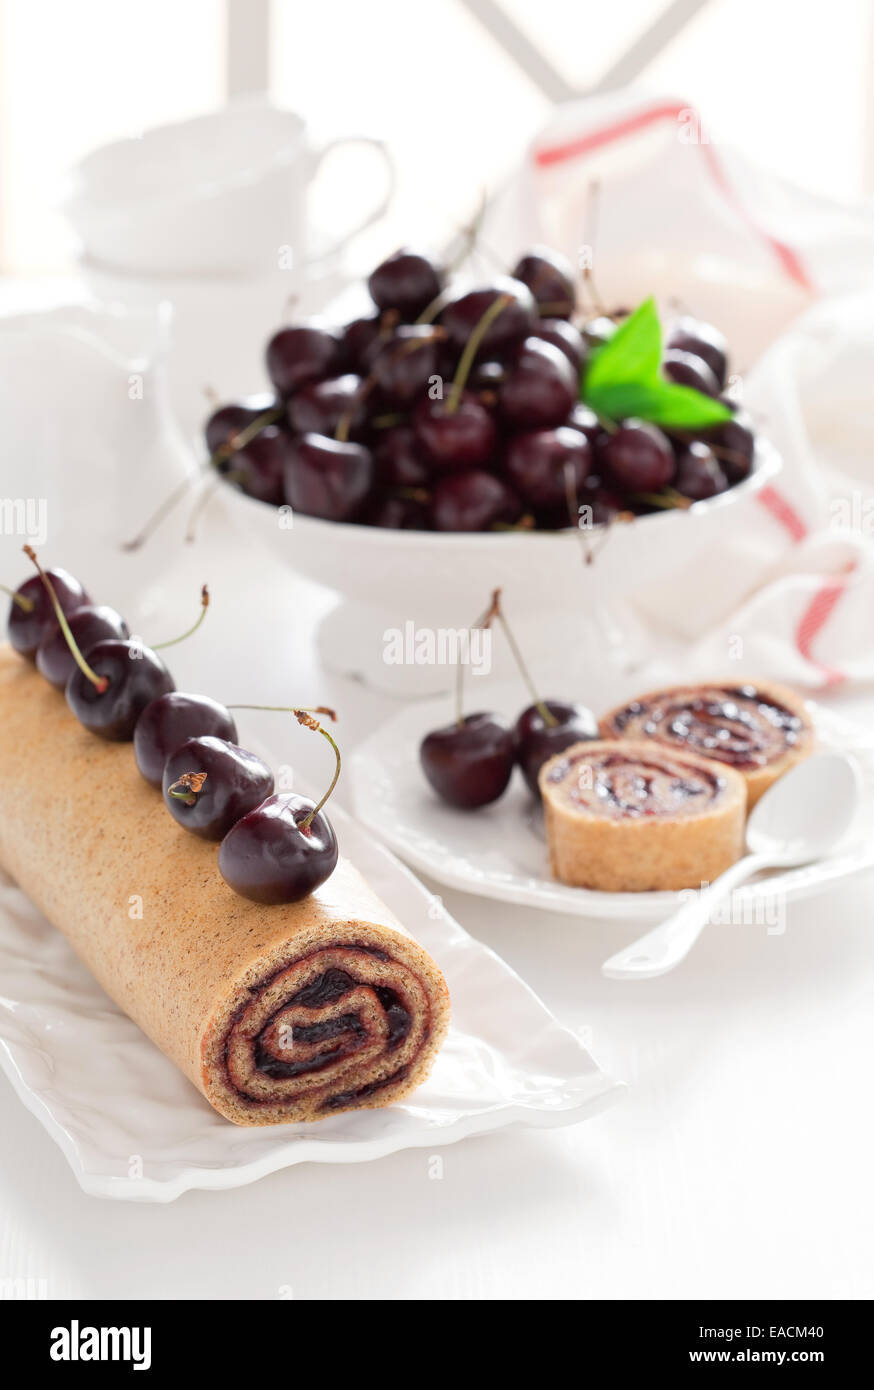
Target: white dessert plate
[(132, 1126), (500, 850)]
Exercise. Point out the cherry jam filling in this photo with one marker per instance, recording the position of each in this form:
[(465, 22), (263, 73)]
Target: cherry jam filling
[(621, 786), (738, 725), (326, 989), (345, 1098)]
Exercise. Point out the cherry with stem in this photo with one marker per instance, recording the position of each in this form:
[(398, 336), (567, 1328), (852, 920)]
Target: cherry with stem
[(285, 848), (305, 716), (470, 761), (471, 348), (546, 727), (222, 455), (100, 683)]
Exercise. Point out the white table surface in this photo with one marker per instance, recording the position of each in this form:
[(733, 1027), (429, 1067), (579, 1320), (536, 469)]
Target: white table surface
[(737, 1165)]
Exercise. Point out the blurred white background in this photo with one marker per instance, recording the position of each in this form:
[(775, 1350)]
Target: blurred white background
[(457, 87)]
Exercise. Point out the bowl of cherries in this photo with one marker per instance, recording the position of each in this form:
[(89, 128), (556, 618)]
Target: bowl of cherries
[(461, 435)]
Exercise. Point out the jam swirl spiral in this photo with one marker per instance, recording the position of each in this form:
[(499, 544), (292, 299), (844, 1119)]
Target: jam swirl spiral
[(333, 1027), (742, 726), (620, 785)]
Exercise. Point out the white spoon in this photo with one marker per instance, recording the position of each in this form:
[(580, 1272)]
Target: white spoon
[(798, 820)]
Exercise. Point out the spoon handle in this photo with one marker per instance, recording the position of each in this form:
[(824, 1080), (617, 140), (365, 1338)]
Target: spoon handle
[(668, 943)]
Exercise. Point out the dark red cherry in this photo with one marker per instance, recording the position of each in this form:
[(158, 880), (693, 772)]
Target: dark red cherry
[(169, 721), (319, 407), (547, 466), (209, 784), (300, 354), (228, 420), (406, 364), (585, 420), (603, 504), (26, 628), (637, 457), (566, 338), (407, 282), (259, 466), (327, 478), (270, 857), (469, 764), (702, 339), (474, 501), (536, 740), (485, 376), (400, 459), (734, 445), (458, 439), (688, 370), (136, 675), (540, 387), (461, 316), (396, 513), (550, 278), (89, 625), (698, 473), (360, 340)]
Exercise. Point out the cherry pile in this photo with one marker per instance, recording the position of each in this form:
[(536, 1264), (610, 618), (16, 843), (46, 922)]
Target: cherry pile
[(469, 763), (460, 410), (273, 848)]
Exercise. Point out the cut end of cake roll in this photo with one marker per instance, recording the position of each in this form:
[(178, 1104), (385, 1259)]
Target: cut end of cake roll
[(631, 816), (322, 1026), (759, 728)]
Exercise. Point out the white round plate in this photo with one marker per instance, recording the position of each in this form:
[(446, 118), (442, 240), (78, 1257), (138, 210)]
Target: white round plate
[(500, 851)]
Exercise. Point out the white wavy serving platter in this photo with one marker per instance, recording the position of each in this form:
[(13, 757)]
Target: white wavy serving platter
[(500, 850), (132, 1127)]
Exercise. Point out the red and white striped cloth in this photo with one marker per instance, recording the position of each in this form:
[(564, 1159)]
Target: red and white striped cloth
[(790, 280)]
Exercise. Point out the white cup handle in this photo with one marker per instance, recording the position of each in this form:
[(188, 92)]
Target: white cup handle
[(383, 204)]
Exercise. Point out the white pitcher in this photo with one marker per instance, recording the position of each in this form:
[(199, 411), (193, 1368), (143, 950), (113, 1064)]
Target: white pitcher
[(90, 446)]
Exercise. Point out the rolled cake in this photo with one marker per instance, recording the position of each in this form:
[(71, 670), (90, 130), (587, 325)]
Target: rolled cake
[(275, 1014), (633, 817), (759, 728)]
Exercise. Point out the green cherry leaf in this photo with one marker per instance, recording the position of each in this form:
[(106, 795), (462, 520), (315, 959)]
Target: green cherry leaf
[(632, 354), (660, 402)]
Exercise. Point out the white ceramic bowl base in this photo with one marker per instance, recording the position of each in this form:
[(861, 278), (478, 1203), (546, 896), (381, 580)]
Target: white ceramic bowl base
[(133, 1127), (562, 608), (500, 851)]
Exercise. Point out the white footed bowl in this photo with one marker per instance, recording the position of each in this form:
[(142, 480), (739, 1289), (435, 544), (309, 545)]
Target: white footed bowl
[(396, 585)]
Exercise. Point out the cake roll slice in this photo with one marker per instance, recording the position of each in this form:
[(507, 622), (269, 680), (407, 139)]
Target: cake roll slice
[(275, 1014), (633, 817), (759, 728)]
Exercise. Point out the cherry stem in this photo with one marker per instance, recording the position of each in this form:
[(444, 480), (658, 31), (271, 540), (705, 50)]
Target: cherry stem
[(484, 621), (471, 348), (100, 683), (668, 499), (159, 514), (207, 492), (191, 784), (545, 713), (430, 312), (204, 604), (469, 234), (26, 604), (304, 715), (344, 424), (592, 210), (222, 454)]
